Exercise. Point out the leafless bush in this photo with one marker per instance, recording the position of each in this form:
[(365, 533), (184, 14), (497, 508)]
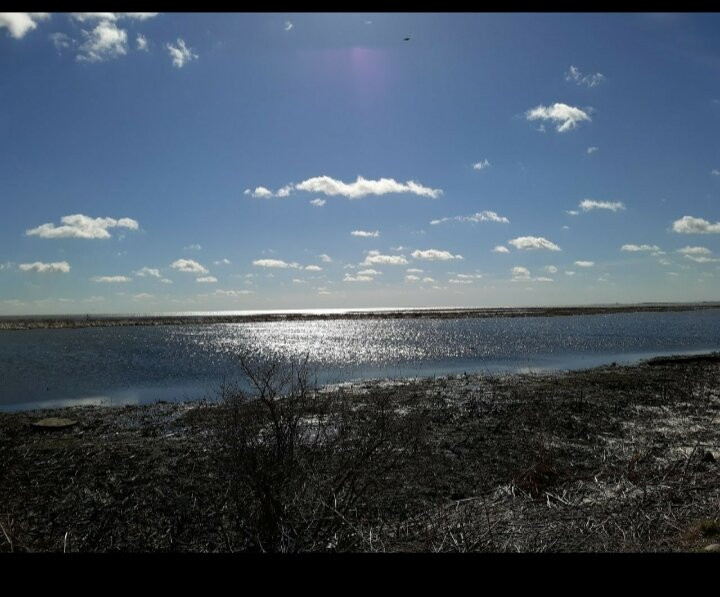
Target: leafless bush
[(304, 468)]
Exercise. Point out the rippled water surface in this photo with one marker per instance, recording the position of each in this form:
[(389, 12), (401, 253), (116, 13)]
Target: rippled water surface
[(145, 364)]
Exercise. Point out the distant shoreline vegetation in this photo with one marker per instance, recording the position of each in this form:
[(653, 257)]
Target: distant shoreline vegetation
[(25, 322)]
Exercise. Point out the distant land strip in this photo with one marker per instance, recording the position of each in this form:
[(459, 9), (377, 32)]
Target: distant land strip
[(85, 321)]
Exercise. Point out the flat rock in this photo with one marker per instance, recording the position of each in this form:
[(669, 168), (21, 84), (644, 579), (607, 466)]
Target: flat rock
[(53, 423)]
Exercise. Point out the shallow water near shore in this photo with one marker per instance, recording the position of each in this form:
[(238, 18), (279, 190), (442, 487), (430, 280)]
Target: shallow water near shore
[(135, 365)]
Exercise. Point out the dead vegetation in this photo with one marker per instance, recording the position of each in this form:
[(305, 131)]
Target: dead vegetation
[(608, 459)]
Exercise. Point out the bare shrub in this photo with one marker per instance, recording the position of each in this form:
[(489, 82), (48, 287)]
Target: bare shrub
[(305, 469)]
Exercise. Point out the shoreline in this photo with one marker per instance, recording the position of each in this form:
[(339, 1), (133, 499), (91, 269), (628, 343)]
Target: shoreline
[(615, 458), (80, 321)]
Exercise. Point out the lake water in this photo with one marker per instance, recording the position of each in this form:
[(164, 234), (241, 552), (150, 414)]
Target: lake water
[(129, 365)]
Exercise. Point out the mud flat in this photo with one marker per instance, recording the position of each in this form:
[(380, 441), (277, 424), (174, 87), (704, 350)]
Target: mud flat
[(84, 321), (608, 459)]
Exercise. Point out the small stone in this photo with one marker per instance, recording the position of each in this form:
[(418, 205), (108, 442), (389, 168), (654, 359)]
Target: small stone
[(53, 423), (713, 547)]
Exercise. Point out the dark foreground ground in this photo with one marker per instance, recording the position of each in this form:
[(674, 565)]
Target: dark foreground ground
[(609, 459)]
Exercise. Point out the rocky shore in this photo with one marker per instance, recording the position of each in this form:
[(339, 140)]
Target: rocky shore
[(609, 459)]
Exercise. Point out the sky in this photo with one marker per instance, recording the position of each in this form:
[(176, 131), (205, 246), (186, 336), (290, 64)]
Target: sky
[(200, 162)]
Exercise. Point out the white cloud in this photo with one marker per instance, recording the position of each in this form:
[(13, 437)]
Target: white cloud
[(551, 269), (588, 204), (142, 296), (533, 242), (481, 216), (207, 280), (148, 271), (411, 278), (715, 172), (694, 251), (366, 233), (702, 259), (638, 248), (358, 278), (481, 165), (260, 192), (142, 43), (574, 74), (362, 187), (288, 25), (284, 191), (318, 202), (224, 261), (325, 258), (180, 53), (572, 212), (369, 272), (61, 41), (520, 272), (105, 41), (375, 258), (414, 270), (592, 150), (188, 266), (428, 280), (500, 249), (19, 23), (275, 263), (691, 225), (110, 279), (38, 266), (313, 268), (80, 226), (193, 247), (233, 293), (434, 255), (567, 116), (166, 281), (569, 273), (584, 263)]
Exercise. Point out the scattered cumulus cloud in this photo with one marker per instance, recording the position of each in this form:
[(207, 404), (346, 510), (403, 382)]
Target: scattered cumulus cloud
[(414, 270), (362, 187), (569, 273), (19, 23), (259, 192), (142, 43), (691, 225), (222, 262), (325, 258), (640, 248), (180, 53), (592, 150), (313, 268), (590, 204), (44, 268), (84, 17), (102, 43), (575, 75), (715, 172), (481, 216), (501, 249), (366, 233), (288, 25), (566, 116), (434, 255), (694, 251), (357, 278), (551, 269), (520, 272), (481, 165), (81, 226), (61, 41), (207, 280), (275, 263), (532, 243), (376, 258), (166, 281), (189, 266), (148, 271), (572, 212), (110, 279), (193, 247), (369, 272), (412, 278), (318, 202), (233, 293), (585, 263), (701, 259)]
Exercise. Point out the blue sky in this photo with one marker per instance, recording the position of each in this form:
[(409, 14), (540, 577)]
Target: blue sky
[(199, 162)]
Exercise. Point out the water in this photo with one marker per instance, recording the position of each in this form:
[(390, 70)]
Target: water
[(129, 365)]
